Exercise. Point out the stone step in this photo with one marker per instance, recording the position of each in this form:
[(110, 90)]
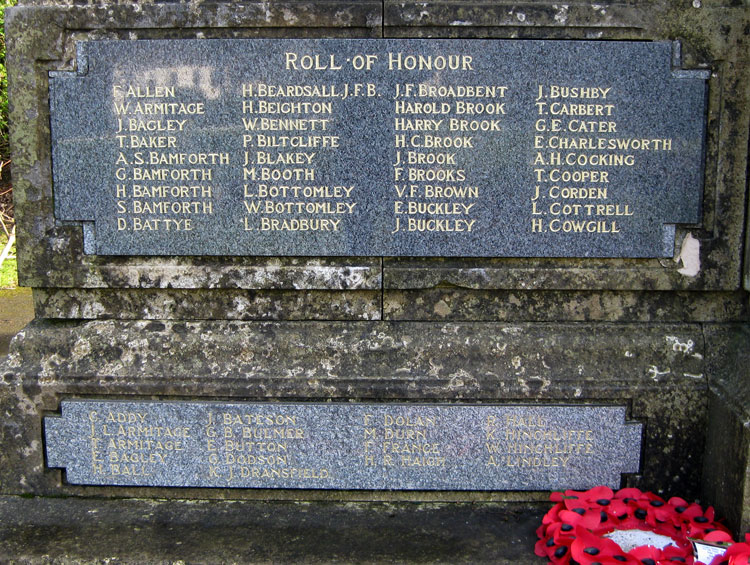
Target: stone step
[(85, 530)]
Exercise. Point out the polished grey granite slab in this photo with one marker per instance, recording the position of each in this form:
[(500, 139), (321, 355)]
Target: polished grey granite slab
[(482, 148), (342, 445)]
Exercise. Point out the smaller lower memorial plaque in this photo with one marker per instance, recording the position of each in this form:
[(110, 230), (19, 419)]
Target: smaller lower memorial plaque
[(342, 446)]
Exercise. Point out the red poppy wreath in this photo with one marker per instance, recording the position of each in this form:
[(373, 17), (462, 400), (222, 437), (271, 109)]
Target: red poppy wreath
[(600, 526)]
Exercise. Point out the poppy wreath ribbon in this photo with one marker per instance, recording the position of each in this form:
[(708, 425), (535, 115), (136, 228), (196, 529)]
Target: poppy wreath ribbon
[(574, 530)]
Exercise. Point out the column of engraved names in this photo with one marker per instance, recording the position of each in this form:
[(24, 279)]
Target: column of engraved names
[(249, 447), (287, 128), (404, 441), (129, 444), (434, 129), (162, 183), (579, 153), (533, 442)]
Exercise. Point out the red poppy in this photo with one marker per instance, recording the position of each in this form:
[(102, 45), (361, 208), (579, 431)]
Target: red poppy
[(718, 536), (594, 498), (589, 549), (589, 519), (647, 554), (674, 554), (698, 522), (737, 554), (551, 516), (555, 538)]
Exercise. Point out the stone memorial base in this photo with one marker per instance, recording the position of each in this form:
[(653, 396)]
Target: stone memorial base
[(655, 374), (683, 383)]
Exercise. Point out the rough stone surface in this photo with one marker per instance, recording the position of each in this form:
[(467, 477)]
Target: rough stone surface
[(461, 304), (726, 473), (205, 304), (53, 255), (446, 303), (81, 531), (342, 446), (708, 32), (59, 248)]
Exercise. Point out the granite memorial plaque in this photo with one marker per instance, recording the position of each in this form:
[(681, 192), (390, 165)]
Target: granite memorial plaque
[(342, 446), (396, 147)]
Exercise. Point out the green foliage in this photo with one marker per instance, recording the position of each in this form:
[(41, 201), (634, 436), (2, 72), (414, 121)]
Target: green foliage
[(8, 273), (3, 82)]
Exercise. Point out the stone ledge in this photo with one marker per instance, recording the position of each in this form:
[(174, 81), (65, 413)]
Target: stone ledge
[(473, 357), (76, 530)]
